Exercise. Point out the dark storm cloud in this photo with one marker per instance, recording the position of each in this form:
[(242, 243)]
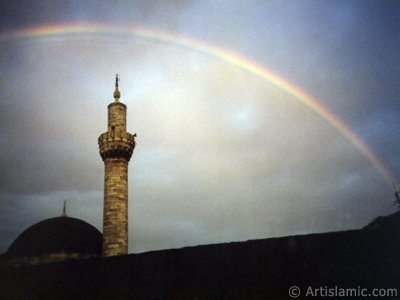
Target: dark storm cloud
[(28, 13), (38, 156)]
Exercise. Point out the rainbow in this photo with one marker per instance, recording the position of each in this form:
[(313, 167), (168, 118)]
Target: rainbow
[(231, 58)]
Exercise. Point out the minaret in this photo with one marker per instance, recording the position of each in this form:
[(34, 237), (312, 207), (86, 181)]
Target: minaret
[(116, 148)]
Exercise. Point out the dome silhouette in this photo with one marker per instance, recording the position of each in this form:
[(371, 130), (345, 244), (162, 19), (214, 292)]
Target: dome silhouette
[(58, 235)]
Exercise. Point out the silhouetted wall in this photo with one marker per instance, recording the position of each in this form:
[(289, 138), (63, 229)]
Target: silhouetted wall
[(258, 269)]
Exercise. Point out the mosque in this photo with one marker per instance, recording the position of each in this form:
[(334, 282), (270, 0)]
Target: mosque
[(64, 237), (256, 269)]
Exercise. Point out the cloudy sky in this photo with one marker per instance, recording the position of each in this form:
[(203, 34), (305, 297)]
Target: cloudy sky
[(222, 153)]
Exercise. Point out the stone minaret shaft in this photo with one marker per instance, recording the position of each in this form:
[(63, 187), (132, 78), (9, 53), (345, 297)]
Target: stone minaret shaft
[(116, 148)]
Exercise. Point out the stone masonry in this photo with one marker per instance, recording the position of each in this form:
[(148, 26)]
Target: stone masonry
[(116, 148)]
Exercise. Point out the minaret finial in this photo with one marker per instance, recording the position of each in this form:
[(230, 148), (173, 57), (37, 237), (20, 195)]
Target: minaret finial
[(117, 93), (64, 211)]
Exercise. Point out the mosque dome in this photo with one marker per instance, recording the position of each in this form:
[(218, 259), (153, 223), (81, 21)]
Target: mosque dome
[(57, 239)]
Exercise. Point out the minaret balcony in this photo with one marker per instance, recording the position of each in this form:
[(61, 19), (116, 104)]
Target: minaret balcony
[(116, 145)]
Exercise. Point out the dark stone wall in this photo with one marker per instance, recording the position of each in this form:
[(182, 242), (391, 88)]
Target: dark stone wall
[(258, 269)]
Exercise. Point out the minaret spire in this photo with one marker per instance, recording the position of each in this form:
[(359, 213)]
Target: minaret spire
[(117, 93), (64, 211)]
